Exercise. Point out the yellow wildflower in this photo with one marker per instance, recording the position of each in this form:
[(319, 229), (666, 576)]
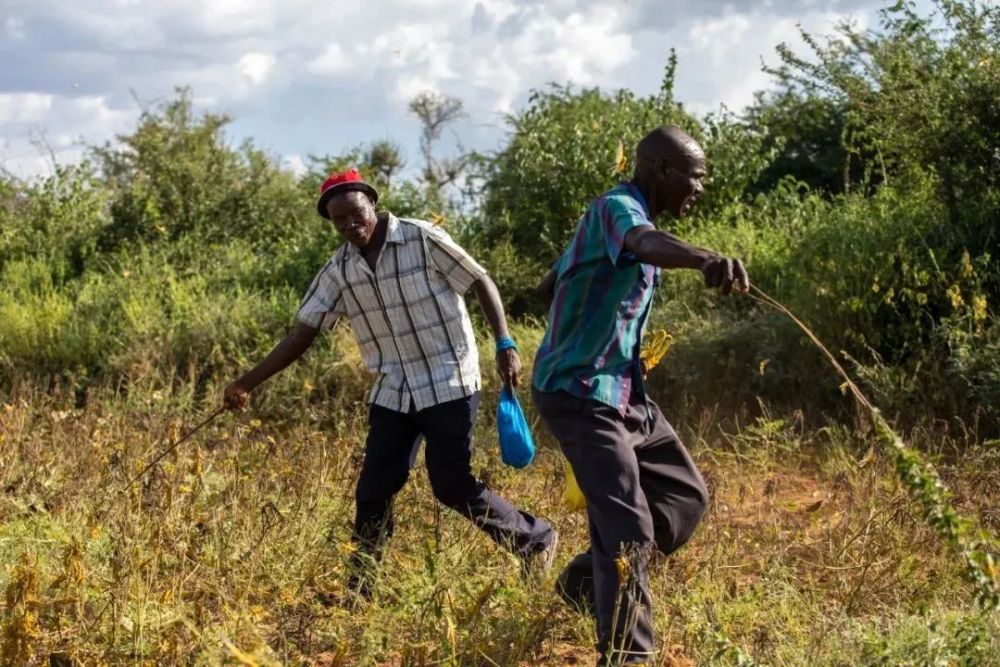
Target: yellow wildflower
[(621, 162), (623, 569), (955, 296), (979, 308), (967, 271)]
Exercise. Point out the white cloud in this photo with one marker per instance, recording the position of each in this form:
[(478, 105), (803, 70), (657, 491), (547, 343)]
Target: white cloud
[(40, 128), (332, 61), (256, 66), (587, 46), (226, 18), (21, 107), (286, 69), (14, 27), (735, 46), (719, 36), (295, 164)]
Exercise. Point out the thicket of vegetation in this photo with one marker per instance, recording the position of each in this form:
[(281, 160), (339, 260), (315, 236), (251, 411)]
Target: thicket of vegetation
[(863, 192)]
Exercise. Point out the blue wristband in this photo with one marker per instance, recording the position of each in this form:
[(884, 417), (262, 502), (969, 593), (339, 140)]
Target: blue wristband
[(506, 343)]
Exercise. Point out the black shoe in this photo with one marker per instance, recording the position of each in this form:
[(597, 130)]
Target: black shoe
[(538, 564), (575, 584), (361, 585)]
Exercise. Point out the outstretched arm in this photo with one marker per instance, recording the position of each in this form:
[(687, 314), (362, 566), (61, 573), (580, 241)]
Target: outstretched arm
[(662, 249), (284, 353), (508, 363)]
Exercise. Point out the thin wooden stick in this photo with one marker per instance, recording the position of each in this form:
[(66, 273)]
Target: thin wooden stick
[(174, 446), (921, 479), (764, 298)]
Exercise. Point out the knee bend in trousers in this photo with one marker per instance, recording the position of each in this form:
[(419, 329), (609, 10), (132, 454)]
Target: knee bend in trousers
[(454, 491), (679, 522), (371, 490)]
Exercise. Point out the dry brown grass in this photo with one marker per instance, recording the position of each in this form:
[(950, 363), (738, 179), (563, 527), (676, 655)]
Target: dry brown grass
[(810, 554)]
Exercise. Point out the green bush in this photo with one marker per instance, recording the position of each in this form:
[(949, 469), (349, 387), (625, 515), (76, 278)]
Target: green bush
[(561, 155), (863, 194)]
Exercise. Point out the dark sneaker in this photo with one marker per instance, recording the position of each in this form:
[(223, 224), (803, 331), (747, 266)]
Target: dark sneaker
[(575, 584), (538, 564)]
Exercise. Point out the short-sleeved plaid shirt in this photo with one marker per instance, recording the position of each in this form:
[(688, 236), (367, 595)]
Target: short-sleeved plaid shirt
[(409, 316)]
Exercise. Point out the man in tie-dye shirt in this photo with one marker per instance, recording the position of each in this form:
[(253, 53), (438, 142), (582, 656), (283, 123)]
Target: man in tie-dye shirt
[(643, 490)]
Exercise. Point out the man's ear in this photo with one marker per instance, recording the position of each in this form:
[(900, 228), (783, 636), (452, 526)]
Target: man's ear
[(662, 166)]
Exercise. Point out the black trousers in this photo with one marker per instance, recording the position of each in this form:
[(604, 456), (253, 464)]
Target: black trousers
[(643, 492), (390, 452)]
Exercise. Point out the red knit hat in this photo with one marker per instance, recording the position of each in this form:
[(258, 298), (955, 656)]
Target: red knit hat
[(344, 181)]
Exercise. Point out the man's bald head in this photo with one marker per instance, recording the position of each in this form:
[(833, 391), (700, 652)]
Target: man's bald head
[(668, 142), (669, 168)]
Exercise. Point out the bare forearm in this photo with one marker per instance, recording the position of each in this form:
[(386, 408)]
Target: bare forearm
[(508, 363), (666, 251), (284, 353), (489, 299)]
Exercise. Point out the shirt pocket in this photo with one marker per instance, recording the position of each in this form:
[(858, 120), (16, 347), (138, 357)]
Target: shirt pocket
[(418, 299)]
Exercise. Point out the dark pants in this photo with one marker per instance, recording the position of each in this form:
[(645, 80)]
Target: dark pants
[(643, 492), (391, 450)]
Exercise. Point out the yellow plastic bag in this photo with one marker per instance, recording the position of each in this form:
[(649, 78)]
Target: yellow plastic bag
[(656, 347), (572, 495)]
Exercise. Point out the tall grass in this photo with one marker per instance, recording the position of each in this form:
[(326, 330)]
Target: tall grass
[(810, 553)]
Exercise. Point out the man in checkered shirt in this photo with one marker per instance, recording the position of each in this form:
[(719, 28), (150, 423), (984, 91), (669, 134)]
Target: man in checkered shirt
[(400, 283)]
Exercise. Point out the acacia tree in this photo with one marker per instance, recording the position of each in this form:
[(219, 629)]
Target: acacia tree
[(385, 159), (437, 111)]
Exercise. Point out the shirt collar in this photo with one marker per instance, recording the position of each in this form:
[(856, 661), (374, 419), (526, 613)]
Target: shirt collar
[(637, 193), (393, 233)]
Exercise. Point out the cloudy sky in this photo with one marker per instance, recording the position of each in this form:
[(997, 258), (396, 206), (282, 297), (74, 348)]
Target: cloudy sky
[(310, 77)]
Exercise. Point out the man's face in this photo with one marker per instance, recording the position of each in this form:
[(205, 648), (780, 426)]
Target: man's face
[(353, 216), (681, 179)]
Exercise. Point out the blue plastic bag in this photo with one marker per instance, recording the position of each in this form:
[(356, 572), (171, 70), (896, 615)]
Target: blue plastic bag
[(517, 447)]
